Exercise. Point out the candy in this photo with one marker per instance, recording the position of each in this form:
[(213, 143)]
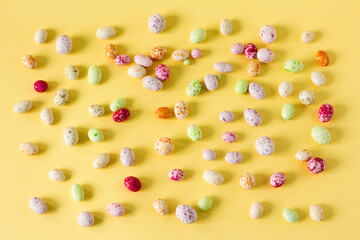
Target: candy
[(117, 103), (181, 110), (209, 155), (198, 35), (306, 97), (136, 71), (213, 177), (164, 146), (226, 116), (322, 58), (29, 61), (316, 213), (233, 157), (158, 53), (40, 36), (122, 59), (290, 215), (127, 157), (101, 160), (163, 113), (293, 66), (37, 205), (152, 83), (303, 155), (241, 87), (160, 206), (56, 175), (318, 78), (72, 72), (70, 136), (267, 34), (162, 72), (265, 55), (247, 181), (186, 214), (196, 53), (77, 192), (193, 88), (256, 91), (320, 135), (61, 97), (218, 76), (264, 146), (115, 209), (121, 115), (204, 203), (325, 112), (250, 51), (223, 67), (176, 175), (86, 219), (194, 133), (133, 184), (288, 111), (211, 82), (229, 137), (237, 48), (110, 51), (277, 179), (226, 27), (106, 32), (64, 44), (316, 165), (256, 210), (46, 116), (285, 89), (94, 75), (143, 60), (187, 62), (180, 55), (96, 110), (95, 135), (156, 23), (252, 117), (29, 148), (253, 68), (22, 106), (307, 36)]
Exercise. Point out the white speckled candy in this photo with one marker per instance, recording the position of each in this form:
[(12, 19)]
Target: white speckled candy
[(180, 55), (194, 133), (136, 71), (229, 137), (164, 146), (307, 36), (226, 27), (160, 206), (40, 36), (37, 205), (303, 155), (306, 97), (106, 32), (56, 175), (320, 135), (233, 157), (186, 214), (256, 91), (143, 60), (64, 44), (252, 117), (223, 67), (256, 210), (193, 88), (226, 116), (264, 146), (316, 213), (72, 72), (209, 155), (156, 23), (318, 78), (285, 89), (127, 157), (181, 110), (115, 209), (265, 55), (267, 34), (61, 97), (29, 148), (211, 82), (152, 83), (96, 110), (29, 61), (213, 177), (22, 106), (237, 48), (247, 181), (101, 160), (86, 219), (70, 136)]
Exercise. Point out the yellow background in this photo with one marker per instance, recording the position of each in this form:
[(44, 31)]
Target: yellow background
[(335, 25)]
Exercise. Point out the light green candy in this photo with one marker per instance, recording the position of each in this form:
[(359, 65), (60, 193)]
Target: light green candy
[(288, 111), (320, 135), (194, 133), (205, 203), (94, 75), (193, 88), (77, 192), (218, 76), (241, 87), (95, 135), (293, 65), (116, 104), (290, 215), (198, 35), (187, 62)]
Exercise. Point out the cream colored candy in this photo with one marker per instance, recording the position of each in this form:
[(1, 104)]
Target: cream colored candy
[(61, 97), (247, 181), (47, 116), (70, 136), (181, 110), (136, 71), (316, 213), (29, 148), (86, 219), (213, 177), (40, 36), (72, 72), (56, 175), (256, 210), (226, 27), (96, 110), (318, 78), (285, 89), (306, 97), (105, 32), (180, 55), (160, 206), (23, 106), (29, 61), (101, 160), (307, 36), (303, 155), (37, 205)]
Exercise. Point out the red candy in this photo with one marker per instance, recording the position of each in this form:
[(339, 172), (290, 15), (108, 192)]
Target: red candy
[(316, 165), (132, 183), (250, 51), (121, 115), (176, 175), (162, 72), (277, 179), (40, 86), (122, 59), (325, 113)]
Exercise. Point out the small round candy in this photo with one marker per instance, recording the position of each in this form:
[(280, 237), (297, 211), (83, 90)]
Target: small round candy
[(318, 78), (40, 86), (277, 179), (176, 175), (247, 181), (237, 48), (303, 155), (316, 165), (320, 135), (307, 36), (187, 62), (250, 51), (229, 137), (226, 116), (316, 213), (110, 51), (285, 89), (204, 203), (198, 35), (117, 103), (164, 146), (267, 34), (122, 59), (186, 214), (132, 183), (209, 155), (158, 53), (325, 112), (115, 209), (86, 219), (95, 135), (306, 97), (156, 23), (196, 53), (218, 76), (233, 157), (121, 115), (265, 55), (162, 72)]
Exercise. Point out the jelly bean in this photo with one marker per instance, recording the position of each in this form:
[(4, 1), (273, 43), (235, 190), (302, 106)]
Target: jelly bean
[(223, 67), (204, 203), (121, 115), (152, 83), (325, 112), (40, 86), (77, 192), (322, 58), (265, 55), (162, 72), (316, 165), (156, 23), (264, 146), (196, 53), (218, 76), (320, 135), (106, 32), (306, 97), (164, 146), (70, 136), (194, 133), (61, 97), (250, 51), (303, 155), (133, 184), (226, 27), (127, 157), (143, 60), (110, 51), (163, 113), (176, 175), (180, 55), (290, 215), (209, 155), (193, 88), (158, 53), (237, 48), (56, 175), (96, 110), (101, 160), (288, 111), (47, 116), (253, 68), (115, 209), (160, 206), (37, 205), (226, 116), (94, 75), (247, 181), (122, 59), (117, 103), (29, 61), (40, 36), (307, 36), (318, 78), (72, 72), (285, 89), (293, 66), (256, 91), (198, 35), (86, 219), (229, 137), (277, 179), (64, 44), (95, 135), (256, 210), (241, 87), (29, 148), (267, 34), (22, 106), (233, 157), (186, 214), (211, 82), (136, 71), (213, 177), (252, 117), (316, 213), (187, 62)]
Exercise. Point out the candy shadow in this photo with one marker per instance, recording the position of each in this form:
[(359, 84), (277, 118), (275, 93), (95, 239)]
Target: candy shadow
[(105, 74), (265, 116), (73, 95), (83, 135), (129, 209), (98, 217), (193, 109), (180, 144), (267, 208), (301, 213), (329, 211), (108, 134), (67, 174), (281, 33), (261, 180), (42, 147), (211, 34), (57, 115), (79, 44), (140, 155), (51, 34), (82, 72), (51, 204), (41, 61), (88, 191), (35, 105), (171, 22), (290, 178), (113, 159), (207, 131), (119, 31), (236, 26), (317, 36), (336, 134), (281, 144)]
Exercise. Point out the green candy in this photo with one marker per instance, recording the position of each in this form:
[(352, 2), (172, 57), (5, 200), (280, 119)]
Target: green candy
[(288, 111), (205, 203), (293, 65), (193, 88), (241, 87), (77, 192), (95, 135), (198, 35), (194, 133), (218, 76), (320, 135), (94, 75), (290, 215), (116, 104), (187, 62)]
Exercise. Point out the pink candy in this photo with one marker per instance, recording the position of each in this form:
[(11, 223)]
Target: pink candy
[(237, 49), (250, 51), (277, 179), (162, 72), (40, 86), (143, 60), (316, 165), (176, 175), (325, 113), (122, 59), (196, 53), (229, 137), (132, 183)]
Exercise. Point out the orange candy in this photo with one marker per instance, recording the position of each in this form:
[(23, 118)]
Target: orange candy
[(163, 113), (157, 53), (322, 58), (110, 51), (253, 68)]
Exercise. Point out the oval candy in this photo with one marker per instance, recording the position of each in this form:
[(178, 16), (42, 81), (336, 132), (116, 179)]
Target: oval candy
[(293, 66), (264, 146), (211, 82), (156, 23), (322, 58), (70, 136), (180, 55), (316, 213), (318, 78), (56, 175), (86, 219), (94, 75), (226, 27), (72, 72), (110, 51), (237, 48), (101, 160), (204, 203), (247, 181), (285, 89), (22, 106), (157, 53), (256, 91), (37, 205), (288, 111), (47, 116), (250, 51), (306, 97), (316, 165), (290, 215), (117, 103), (325, 112), (64, 44), (40, 36), (29, 148), (127, 157), (320, 135), (136, 71), (181, 110), (233, 157), (209, 155), (160, 206), (252, 117), (267, 34), (96, 110), (241, 87), (115, 209), (77, 192), (106, 32), (213, 177), (223, 67), (198, 35), (303, 155), (152, 83), (226, 116), (229, 137), (277, 179), (162, 72), (61, 97), (256, 210), (186, 214), (95, 135), (143, 60), (193, 88), (265, 55), (307, 36), (122, 59), (133, 184), (29, 61), (253, 68), (176, 175), (164, 146), (194, 133), (163, 113)]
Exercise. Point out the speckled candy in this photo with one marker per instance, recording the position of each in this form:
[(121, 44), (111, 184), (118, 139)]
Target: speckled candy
[(237, 48), (101, 160), (152, 83), (95, 135), (223, 67), (64, 44), (86, 219), (122, 59), (250, 51), (127, 157), (233, 157), (164, 146), (198, 35), (226, 27), (209, 155), (70, 136), (37, 205), (94, 75), (186, 214), (156, 23), (40, 86), (160, 206), (204, 203), (267, 34), (306, 97), (194, 133), (106, 32), (285, 89), (264, 146), (229, 137), (176, 175), (22, 106), (303, 155), (110, 51), (180, 55), (307, 36), (241, 87), (29, 148), (265, 55), (320, 135), (253, 68), (136, 71), (196, 53), (133, 184), (96, 110), (117, 103), (115, 209), (213, 177), (277, 179), (256, 91), (322, 58), (72, 72), (256, 210), (290, 215), (316, 213), (325, 112), (193, 88), (211, 82), (247, 181), (29, 61), (121, 115), (56, 175), (288, 111), (162, 72), (158, 53), (143, 60), (181, 110), (252, 117), (316, 165), (226, 116), (293, 66)]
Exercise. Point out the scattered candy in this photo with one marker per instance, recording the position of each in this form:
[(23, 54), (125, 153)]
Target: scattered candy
[(265, 55), (70, 136), (288, 111), (22, 106), (285, 89), (226, 116), (72, 72), (77, 192), (316, 213), (94, 75), (306, 97), (218, 76), (64, 44), (121, 115), (163, 113), (117, 103), (37, 205), (198, 35), (250, 51), (211, 82), (143, 60), (204, 203), (277, 179), (290, 215), (264, 146), (307, 36), (56, 175), (253, 68), (226, 27), (133, 184), (162, 72), (267, 34), (157, 23), (316, 165), (303, 155), (127, 157), (158, 53), (122, 59), (196, 53), (193, 88), (160, 206), (164, 146), (320, 135), (115, 209), (46, 116), (96, 110), (223, 67), (256, 91), (293, 66), (86, 219), (233, 157), (40, 36), (241, 87), (176, 175), (247, 181), (318, 78), (252, 117), (152, 83), (256, 210), (186, 214), (136, 71), (106, 32), (194, 133), (29, 148), (110, 51), (61, 97), (213, 177), (237, 48), (325, 112), (187, 62), (322, 58), (95, 135), (229, 137), (209, 155), (181, 110), (180, 55), (101, 160), (29, 61)]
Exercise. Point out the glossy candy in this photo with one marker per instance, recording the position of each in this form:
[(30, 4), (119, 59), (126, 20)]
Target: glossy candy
[(209, 155), (204, 203), (101, 160), (162, 72), (121, 115), (77, 192), (253, 68), (37, 205), (226, 27), (241, 87), (320, 135), (211, 82), (307, 36), (56, 175), (325, 112), (115, 209), (106, 32), (163, 113), (40, 36), (265, 55), (96, 110), (156, 23), (237, 48), (306, 97), (229, 137), (160, 206), (46, 116), (186, 214), (122, 59), (117, 103), (303, 155), (288, 111), (256, 91), (267, 34), (196, 53), (247, 181), (64, 44), (176, 175), (264, 146), (164, 146), (194, 133), (127, 157), (86, 219), (318, 78), (233, 157), (95, 135), (250, 51), (290, 215), (143, 60), (316, 165), (110, 51), (277, 179), (94, 75), (133, 184), (223, 67), (285, 89), (226, 116), (193, 88), (198, 35), (316, 213), (213, 177), (22, 106), (40, 86), (72, 72), (29, 148), (70, 136), (181, 110), (61, 97), (293, 66), (180, 55), (322, 58), (29, 61), (256, 210), (158, 53), (252, 117), (136, 71)]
